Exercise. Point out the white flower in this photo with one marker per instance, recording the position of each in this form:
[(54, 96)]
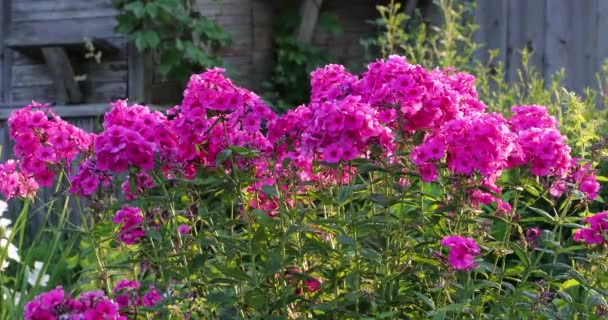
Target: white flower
[(12, 253), (12, 295), (32, 276), (4, 223)]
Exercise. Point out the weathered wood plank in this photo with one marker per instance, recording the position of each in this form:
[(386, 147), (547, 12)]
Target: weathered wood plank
[(557, 36), (526, 31), (78, 56), (212, 8), (24, 7), (602, 41), (583, 65), (263, 42), (4, 151), (93, 92), (53, 31), (55, 15), (32, 45), (62, 72), (492, 18), (309, 14), (138, 86), (83, 110), (2, 53), (5, 8), (37, 74)]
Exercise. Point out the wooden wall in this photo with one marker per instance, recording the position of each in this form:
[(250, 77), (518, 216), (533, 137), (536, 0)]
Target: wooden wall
[(353, 16), (55, 20), (249, 22), (561, 33)]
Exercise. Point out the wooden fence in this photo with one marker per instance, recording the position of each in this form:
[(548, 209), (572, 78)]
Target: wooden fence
[(561, 33)]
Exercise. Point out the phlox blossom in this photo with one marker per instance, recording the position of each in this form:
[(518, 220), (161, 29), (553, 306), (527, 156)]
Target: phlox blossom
[(56, 304), (597, 231), (462, 252), (131, 220)]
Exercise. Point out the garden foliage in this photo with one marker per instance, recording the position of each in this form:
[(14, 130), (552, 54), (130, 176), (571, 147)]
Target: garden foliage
[(390, 194), (398, 193)]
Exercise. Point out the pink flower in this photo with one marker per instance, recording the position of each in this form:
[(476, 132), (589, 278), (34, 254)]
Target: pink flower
[(252, 122), (151, 298), (14, 182), (462, 252), (558, 188), (332, 153), (597, 230), (131, 220), (428, 172), (532, 234), (183, 229), (127, 295), (55, 304)]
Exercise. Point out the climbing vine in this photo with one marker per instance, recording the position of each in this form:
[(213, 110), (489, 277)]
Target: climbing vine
[(290, 81), (180, 38)]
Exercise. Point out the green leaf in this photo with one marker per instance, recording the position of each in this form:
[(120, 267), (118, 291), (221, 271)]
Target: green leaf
[(345, 240), (425, 299), (220, 298), (601, 179), (126, 23), (152, 9), (532, 190), (273, 264), (140, 42), (151, 38), (255, 298), (235, 272), (558, 266), (421, 259), (270, 191), (244, 152), (543, 213), (137, 8), (223, 156), (371, 255), (523, 257), (263, 219), (379, 199)]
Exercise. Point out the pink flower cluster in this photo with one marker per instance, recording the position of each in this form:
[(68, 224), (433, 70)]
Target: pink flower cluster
[(44, 145), (89, 178), (56, 305), (348, 117), (541, 145), (131, 137), (582, 176), (141, 182), (214, 115), (342, 130), (479, 142), (597, 232), (310, 285), (131, 220), (330, 83), (462, 252), (43, 142), (127, 295), (411, 97), (13, 183), (586, 180)]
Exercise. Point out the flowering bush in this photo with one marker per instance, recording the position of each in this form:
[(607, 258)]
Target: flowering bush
[(393, 194)]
